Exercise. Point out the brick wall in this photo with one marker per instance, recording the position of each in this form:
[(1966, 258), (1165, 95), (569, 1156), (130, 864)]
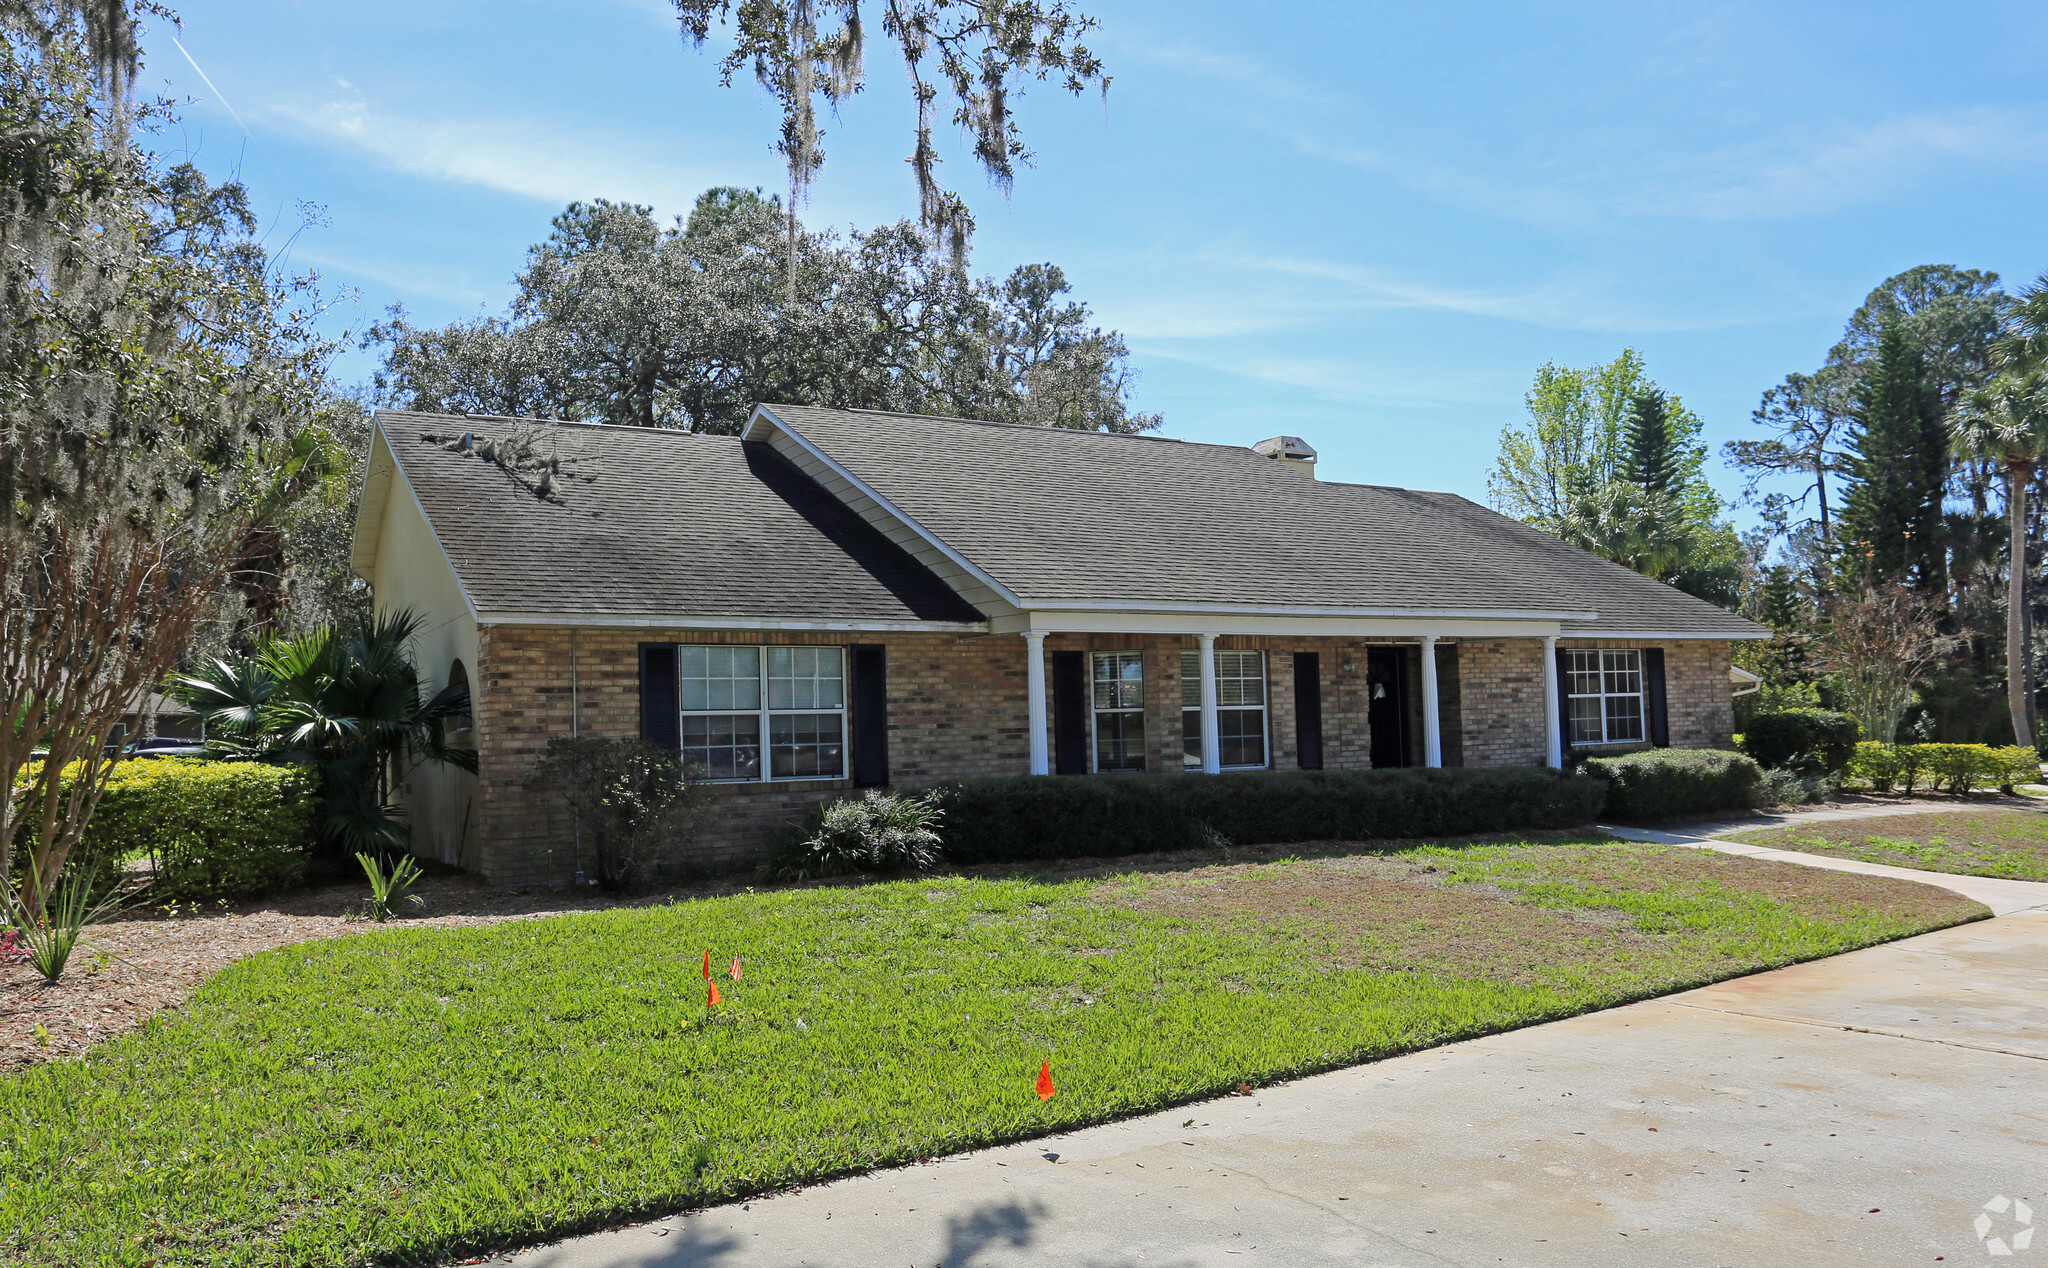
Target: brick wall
[(1699, 702), (956, 709), (1503, 697), (1502, 688)]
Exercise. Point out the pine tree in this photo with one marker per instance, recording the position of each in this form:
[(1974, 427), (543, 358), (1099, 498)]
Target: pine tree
[(1898, 472), (1653, 459)]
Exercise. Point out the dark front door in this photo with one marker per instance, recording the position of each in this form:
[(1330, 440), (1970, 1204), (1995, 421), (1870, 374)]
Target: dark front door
[(1386, 712), (1069, 713)]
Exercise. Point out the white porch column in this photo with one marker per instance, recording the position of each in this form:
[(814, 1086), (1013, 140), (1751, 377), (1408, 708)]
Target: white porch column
[(1212, 742), (1034, 700), (1432, 721), (1553, 738)]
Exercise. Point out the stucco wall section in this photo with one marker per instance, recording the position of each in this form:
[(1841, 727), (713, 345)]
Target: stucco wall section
[(412, 574)]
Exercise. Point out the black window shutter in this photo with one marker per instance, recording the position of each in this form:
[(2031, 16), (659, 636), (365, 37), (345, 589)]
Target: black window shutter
[(870, 721), (1308, 710), (1069, 713), (1564, 700), (1653, 697), (661, 722)]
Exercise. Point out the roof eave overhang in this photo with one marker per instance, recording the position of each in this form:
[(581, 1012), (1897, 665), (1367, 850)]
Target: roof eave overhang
[(378, 467), (693, 621), (763, 421)]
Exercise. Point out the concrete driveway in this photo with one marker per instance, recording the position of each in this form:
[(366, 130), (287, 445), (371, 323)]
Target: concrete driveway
[(1859, 1110)]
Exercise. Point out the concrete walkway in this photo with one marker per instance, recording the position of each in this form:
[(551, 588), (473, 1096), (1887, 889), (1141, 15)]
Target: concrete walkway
[(2003, 897), (1858, 1110)]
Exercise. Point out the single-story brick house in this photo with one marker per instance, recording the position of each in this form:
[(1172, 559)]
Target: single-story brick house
[(841, 599)]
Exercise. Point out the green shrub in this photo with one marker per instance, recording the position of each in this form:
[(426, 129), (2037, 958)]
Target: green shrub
[(1962, 768), (1790, 788), (1041, 817), (1670, 783), (1883, 765), (1810, 741), (2017, 764), (876, 832), (636, 806), (1956, 768), (211, 829)]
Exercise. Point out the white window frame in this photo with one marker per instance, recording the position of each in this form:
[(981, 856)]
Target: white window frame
[(1264, 708), (766, 714), (1095, 710), (1606, 661)]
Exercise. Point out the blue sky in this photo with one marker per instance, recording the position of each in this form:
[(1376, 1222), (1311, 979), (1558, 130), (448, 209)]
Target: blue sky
[(1362, 224)]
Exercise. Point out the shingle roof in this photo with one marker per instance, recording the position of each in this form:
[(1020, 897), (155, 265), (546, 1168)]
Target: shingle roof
[(653, 523), (1062, 515)]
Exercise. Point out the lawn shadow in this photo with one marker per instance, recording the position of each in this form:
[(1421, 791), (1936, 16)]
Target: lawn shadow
[(993, 1224), (691, 1245)]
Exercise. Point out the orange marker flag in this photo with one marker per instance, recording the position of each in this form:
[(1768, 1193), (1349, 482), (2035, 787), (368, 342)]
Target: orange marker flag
[(714, 996), (707, 966), (1045, 1087), (735, 968)]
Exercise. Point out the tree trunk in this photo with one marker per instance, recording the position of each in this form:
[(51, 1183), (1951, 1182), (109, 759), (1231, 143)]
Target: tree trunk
[(2016, 606)]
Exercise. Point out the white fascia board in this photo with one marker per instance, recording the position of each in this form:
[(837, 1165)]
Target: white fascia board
[(1284, 626), (755, 431), (367, 536), (1630, 636), (677, 621), (1268, 609), (428, 520)]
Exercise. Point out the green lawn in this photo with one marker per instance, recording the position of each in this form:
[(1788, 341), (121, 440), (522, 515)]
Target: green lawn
[(2008, 843), (409, 1094)]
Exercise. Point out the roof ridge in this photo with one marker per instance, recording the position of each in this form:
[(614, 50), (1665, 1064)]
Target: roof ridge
[(989, 422), (607, 428)]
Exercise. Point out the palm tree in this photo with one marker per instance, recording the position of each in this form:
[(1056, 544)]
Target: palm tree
[(346, 700), (2024, 344), (2006, 421), (1631, 525)]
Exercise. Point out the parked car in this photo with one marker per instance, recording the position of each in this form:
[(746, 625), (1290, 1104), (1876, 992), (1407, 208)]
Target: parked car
[(166, 746)]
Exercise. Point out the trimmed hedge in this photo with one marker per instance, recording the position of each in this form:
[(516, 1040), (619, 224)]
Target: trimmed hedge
[(1811, 741), (212, 829), (1956, 768), (1672, 783), (1036, 817)]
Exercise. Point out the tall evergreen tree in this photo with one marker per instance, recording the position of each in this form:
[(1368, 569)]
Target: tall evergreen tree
[(1898, 470), (1653, 458)]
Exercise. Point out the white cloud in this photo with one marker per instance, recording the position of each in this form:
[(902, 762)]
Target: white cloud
[(527, 157), (1227, 67), (1347, 381), (411, 277), (1581, 305), (1788, 174), (1844, 166)]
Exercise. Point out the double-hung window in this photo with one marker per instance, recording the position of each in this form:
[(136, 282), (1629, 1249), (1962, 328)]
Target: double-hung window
[(1604, 696), (736, 701), (1240, 709), (1119, 698)]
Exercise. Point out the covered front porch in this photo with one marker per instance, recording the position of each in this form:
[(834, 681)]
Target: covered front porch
[(1152, 691)]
